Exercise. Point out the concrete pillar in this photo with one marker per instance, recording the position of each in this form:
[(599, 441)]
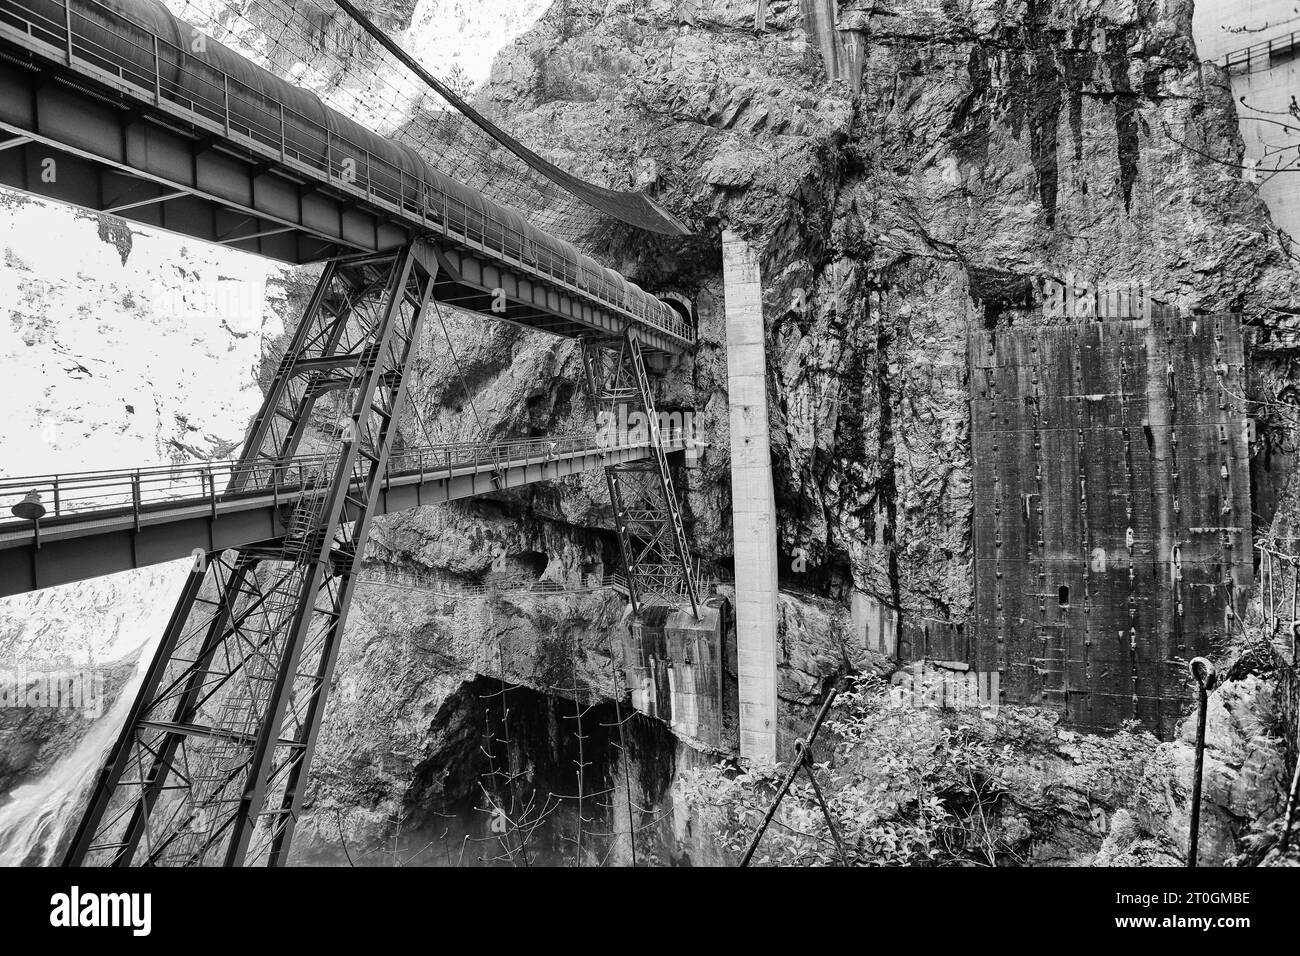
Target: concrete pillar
[(753, 501)]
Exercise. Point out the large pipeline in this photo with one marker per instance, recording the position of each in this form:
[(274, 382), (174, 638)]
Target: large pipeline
[(144, 44)]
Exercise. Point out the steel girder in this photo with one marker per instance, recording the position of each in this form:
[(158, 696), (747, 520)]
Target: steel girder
[(86, 130), (211, 764), (647, 515)]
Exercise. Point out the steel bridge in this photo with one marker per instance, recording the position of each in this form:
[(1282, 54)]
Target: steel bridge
[(102, 522), (117, 107), (108, 106)]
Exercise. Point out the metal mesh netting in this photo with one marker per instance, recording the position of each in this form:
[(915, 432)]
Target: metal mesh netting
[(320, 47)]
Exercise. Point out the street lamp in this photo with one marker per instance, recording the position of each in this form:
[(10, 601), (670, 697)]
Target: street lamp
[(31, 509)]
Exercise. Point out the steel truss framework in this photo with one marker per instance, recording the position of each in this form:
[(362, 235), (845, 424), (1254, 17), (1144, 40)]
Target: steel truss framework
[(646, 512), (211, 764)]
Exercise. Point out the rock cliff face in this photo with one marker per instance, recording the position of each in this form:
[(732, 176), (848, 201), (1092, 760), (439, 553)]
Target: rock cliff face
[(906, 171), (990, 143)]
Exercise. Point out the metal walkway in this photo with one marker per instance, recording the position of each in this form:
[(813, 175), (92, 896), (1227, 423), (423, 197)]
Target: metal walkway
[(102, 522), (513, 586)]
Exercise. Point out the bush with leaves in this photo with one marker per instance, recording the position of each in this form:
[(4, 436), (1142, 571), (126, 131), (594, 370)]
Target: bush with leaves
[(905, 786)]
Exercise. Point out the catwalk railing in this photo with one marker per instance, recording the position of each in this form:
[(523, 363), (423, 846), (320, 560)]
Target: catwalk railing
[(503, 587), (514, 585), (1279, 593), (1263, 55), (141, 491), (126, 55)]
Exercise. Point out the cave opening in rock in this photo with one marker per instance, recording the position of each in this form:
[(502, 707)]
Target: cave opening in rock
[(531, 562), (523, 777)]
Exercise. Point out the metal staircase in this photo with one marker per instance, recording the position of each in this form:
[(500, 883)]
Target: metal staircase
[(647, 515)]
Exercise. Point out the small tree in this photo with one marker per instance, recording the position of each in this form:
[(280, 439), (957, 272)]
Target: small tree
[(906, 786), (459, 81)]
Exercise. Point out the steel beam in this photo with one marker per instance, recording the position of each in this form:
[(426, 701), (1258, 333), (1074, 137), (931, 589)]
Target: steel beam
[(647, 516), (210, 764)]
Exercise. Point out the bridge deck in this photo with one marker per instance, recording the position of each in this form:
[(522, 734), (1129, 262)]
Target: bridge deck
[(106, 522), (209, 145)]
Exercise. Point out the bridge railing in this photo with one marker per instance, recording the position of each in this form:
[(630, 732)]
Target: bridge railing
[(1278, 584), (446, 590), (138, 491), (90, 37), (1263, 55)]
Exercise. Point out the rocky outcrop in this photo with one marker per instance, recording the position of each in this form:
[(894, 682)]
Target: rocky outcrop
[(1244, 783)]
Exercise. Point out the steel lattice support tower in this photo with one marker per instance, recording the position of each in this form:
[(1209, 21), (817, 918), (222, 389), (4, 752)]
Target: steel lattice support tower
[(211, 763), (646, 512)]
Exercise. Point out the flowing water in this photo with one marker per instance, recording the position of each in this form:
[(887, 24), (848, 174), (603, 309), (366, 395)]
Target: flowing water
[(40, 814)]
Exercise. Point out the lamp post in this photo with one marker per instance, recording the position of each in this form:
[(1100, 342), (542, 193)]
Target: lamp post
[(31, 509)]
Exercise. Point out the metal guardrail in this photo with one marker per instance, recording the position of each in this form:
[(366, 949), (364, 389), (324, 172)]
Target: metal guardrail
[(140, 491), (1279, 592), (502, 587), (408, 581), (1261, 56), (222, 103)]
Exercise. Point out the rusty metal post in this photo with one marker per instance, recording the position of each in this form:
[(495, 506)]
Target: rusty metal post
[(1204, 674), (1289, 816), (807, 762), (1295, 605), (802, 747)]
